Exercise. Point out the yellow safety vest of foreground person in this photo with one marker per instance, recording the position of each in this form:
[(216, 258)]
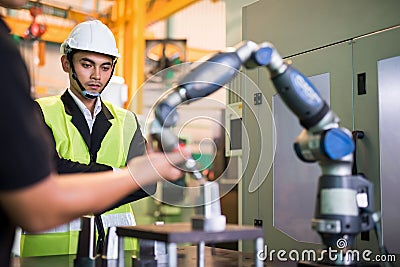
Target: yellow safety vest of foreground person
[(71, 145)]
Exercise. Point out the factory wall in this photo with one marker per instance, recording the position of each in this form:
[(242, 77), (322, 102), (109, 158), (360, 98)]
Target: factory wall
[(333, 43)]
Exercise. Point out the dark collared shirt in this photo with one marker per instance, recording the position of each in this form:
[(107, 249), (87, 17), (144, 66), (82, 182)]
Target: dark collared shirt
[(25, 158)]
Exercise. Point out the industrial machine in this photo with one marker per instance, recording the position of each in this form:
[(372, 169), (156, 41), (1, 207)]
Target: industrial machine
[(354, 65), (344, 204)]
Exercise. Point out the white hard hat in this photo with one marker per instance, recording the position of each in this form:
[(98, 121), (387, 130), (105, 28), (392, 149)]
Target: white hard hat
[(91, 36)]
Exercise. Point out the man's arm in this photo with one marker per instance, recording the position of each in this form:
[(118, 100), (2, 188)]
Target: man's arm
[(69, 166), (137, 148), (60, 198)]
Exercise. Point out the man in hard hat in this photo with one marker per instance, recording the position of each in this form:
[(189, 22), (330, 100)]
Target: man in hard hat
[(90, 134), (32, 194)]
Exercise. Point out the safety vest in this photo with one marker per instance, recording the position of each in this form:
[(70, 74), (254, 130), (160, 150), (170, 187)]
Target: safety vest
[(71, 145)]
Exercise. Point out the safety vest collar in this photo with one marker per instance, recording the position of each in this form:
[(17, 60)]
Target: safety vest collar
[(100, 127), (71, 108)]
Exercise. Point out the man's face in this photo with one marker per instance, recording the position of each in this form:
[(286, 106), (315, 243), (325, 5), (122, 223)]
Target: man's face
[(93, 71), (13, 3)]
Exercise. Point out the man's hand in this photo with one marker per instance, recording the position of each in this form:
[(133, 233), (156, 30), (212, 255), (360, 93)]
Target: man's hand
[(155, 166)]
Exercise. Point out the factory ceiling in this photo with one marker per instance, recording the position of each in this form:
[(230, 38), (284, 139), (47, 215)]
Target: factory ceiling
[(60, 16)]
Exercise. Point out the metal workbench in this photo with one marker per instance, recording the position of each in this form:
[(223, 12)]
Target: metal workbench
[(187, 256), (179, 233)]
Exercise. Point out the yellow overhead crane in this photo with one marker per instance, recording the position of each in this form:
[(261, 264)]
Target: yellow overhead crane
[(128, 20)]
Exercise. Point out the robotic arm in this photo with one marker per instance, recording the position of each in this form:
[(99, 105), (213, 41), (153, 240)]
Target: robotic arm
[(202, 81), (296, 90), (344, 201)]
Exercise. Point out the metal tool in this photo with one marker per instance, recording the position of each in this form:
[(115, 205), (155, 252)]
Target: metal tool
[(208, 216), (151, 253), (86, 255)]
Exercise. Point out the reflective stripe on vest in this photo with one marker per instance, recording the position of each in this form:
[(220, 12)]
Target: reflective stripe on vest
[(118, 219), (71, 145)]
